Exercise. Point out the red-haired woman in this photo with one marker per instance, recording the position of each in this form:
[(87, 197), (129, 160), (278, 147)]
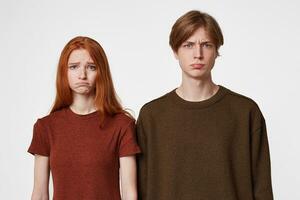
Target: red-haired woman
[(87, 137)]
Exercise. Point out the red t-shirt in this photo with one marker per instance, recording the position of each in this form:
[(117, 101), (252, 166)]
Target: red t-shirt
[(84, 156)]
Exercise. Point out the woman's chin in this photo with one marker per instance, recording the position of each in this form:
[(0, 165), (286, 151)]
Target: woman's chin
[(83, 92)]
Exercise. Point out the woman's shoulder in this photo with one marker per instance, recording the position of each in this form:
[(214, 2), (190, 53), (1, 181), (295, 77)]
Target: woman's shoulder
[(51, 117), (123, 119)]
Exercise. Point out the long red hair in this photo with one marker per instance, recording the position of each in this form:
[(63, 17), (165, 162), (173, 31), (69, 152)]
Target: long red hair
[(106, 100)]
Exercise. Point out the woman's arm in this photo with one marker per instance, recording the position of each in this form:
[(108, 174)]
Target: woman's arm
[(41, 178), (128, 177)]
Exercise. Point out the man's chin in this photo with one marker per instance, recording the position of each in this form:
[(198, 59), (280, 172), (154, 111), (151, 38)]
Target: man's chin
[(197, 75)]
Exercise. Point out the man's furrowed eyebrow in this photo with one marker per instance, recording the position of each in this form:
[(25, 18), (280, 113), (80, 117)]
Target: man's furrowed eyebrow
[(206, 42), (190, 42), (203, 42)]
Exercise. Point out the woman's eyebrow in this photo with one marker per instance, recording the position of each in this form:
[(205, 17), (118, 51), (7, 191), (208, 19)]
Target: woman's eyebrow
[(74, 63)]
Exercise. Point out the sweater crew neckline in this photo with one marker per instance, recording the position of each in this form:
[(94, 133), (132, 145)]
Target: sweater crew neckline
[(198, 104)]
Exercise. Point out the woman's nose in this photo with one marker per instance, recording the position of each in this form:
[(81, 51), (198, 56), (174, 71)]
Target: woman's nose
[(82, 73)]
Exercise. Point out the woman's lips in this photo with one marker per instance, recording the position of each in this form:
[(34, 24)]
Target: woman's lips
[(197, 66), (82, 84)]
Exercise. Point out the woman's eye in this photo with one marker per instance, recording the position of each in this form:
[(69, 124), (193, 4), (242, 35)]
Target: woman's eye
[(92, 67), (72, 66)]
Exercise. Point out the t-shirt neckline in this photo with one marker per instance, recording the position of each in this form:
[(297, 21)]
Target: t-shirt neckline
[(71, 114)]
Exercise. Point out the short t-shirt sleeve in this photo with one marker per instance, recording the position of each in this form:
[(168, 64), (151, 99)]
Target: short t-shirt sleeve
[(40, 140), (127, 144)]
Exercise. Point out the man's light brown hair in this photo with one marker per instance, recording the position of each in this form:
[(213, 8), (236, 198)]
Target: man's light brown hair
[(187, 24)]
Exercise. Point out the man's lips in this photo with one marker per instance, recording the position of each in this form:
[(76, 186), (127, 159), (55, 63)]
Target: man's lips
[(197, 66)]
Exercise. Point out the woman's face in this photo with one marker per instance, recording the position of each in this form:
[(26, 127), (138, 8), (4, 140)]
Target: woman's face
[(197, 55), (81, 72)]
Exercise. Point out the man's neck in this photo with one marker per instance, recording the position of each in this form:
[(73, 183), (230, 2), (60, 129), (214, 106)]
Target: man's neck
[(197, 89)]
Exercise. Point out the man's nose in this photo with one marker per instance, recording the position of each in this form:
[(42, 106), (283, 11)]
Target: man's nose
[(198, 51)]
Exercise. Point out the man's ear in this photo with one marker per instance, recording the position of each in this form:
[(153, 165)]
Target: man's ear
[(175, 55), (216, 54)]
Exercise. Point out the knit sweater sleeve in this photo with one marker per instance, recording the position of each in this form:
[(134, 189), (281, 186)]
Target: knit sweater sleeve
[(260, 156), (141, 158)]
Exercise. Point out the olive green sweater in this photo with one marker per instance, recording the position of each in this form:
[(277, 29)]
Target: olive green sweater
[(216, 149)]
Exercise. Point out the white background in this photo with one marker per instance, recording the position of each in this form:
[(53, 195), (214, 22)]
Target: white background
[(259, 59)]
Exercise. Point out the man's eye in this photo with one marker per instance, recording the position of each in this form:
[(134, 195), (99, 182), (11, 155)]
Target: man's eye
[(188, 45), (208, 45)]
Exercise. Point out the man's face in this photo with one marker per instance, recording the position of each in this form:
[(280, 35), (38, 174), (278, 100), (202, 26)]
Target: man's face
[(197, 55)]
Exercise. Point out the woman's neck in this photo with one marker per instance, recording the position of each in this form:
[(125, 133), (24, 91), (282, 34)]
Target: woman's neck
[(83, 104)]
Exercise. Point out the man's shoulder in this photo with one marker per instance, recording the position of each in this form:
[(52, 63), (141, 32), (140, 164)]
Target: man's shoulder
[(242, 101), (157, 104)]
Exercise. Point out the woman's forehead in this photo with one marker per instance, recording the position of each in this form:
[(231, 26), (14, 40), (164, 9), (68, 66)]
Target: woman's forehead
[(80, 55)]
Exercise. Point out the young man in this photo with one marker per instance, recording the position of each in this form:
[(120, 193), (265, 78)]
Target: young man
[(202, 141)]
